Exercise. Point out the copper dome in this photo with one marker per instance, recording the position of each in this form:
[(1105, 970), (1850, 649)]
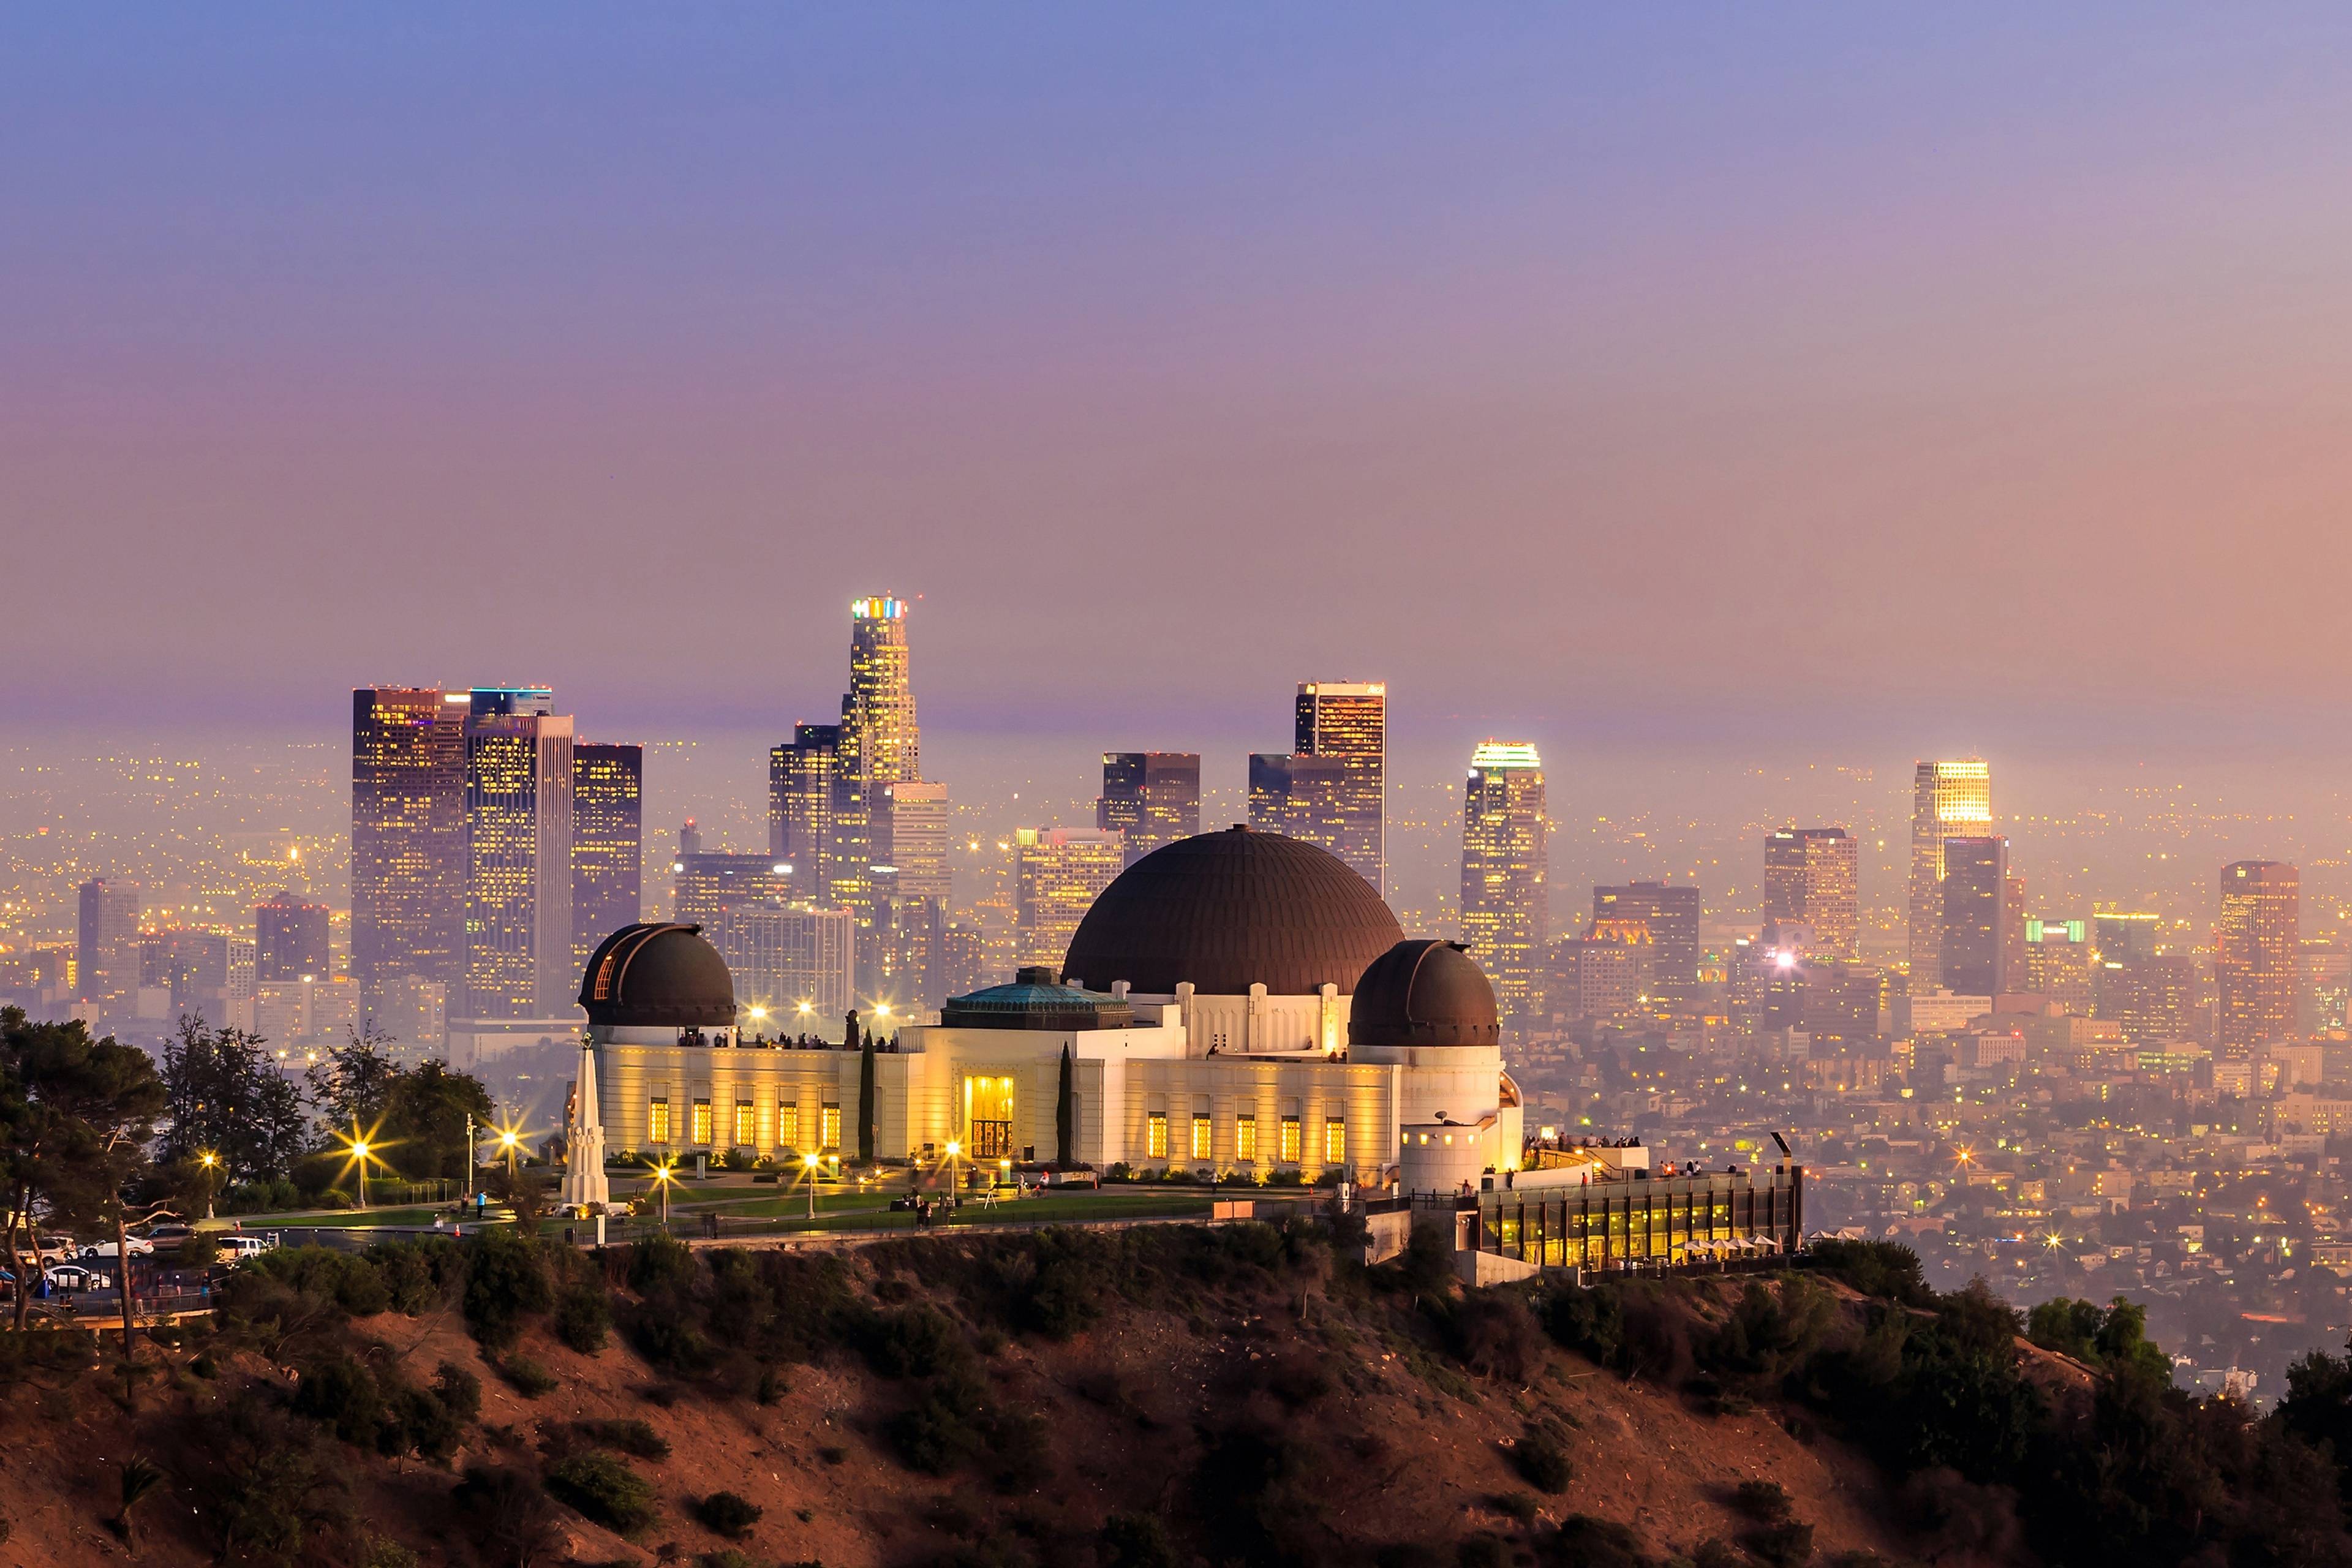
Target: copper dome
[(1228, 910), (658, 975), (1424, 993)]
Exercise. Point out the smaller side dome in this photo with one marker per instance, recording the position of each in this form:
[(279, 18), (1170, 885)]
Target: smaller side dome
[(655, 976), (1422, 991), (1037, 999)]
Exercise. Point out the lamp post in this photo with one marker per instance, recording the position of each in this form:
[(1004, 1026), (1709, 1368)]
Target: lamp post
[(359, 1152), (955, 1154), (661, 1180), (510, 1143), (211, 1162), (808, 1180)]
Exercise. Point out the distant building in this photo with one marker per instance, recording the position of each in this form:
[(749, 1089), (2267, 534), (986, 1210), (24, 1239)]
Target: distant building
[(1671, 911), (793, 965), (2257, 956), (1813, 876), (414, 1012), (1949, 800), (2326, 986), (2060, 963), (1151, 797), (912, 892), (706, 882), (1328, 789), (1058, 872), (408, 835), (608, 841), (2116, 935), (800, 800), (518, 831), (2149, 998), (289, 941), (1506, 908), (106, 954), (1604, 973), (297, 1017), (203, 974), (1973, 922)]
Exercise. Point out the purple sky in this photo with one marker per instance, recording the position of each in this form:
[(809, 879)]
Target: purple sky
[(1939, 376)]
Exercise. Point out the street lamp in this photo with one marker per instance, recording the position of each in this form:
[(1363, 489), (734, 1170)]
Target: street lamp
[(211, 1162), (808, 1180), (360, 1151), (510, 1143), (661, 1180), (955, 1152)]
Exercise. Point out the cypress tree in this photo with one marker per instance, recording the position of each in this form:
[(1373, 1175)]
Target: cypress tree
[(865, 1101), (1066, 1115)]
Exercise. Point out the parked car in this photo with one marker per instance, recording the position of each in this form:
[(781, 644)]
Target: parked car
[(139, 1245), (239, 1247), (71, 1278), (56, 1248), (169, 1235)]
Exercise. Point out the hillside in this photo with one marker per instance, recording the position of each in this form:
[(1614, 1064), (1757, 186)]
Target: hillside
[(1162, 1397)]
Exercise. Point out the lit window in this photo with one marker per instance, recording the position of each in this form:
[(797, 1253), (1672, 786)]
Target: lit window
[(1200, 1138), (1245, 1138), (788, 1125), (746, 1124), (1155, 1135), (1290, 1141), (829, 1129), (1335, 1141), (657, 1123), (701, 1122)]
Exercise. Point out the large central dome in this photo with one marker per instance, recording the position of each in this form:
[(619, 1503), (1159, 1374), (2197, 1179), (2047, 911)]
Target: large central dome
[(1227, 910)]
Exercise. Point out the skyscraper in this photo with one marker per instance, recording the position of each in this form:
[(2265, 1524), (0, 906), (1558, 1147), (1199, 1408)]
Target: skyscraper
[(1297, 797), (106, 955), (911, 892), (1347, 721), (1974, 919), (1058, 872), (519, 829), (709, 880), (2257, 954), (408, 835), (789, 961), (879, 737), (1506, 908), (1151, 797), (2061, 964), (1813, 876), (608, 842), (800, 801), (1671, 913), (1949, 800), (289, 941)]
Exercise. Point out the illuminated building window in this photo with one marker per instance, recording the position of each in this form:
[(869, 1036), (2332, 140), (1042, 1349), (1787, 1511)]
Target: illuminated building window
[(1245, 1138), (702, 1128), (1335, 1141), (1155, 1135), (988, 1117), (746, 1124), (1291, 1144), (1200, 1138), (829, 1128), (657, 1122), (788, 1125)]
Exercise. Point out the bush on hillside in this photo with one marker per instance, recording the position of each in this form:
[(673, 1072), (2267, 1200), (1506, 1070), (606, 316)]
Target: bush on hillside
[(506, 1285), (605, 1490), (584, 1316), (631, 1436), (729, 1513), (1542, 1462)]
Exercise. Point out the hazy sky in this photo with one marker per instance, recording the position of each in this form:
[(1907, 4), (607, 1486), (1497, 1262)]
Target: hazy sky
[(1930, 376)]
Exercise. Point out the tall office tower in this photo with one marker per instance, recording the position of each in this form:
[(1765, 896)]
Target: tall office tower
[(2257, 954), (519, 828), (2059, 963), (800, 801), (408, 835), (2151, 998), (1671, 913), (877, 745), (1297, 797), (2012, 933), (1812, 878), (2117, 935), (2326, 986), (608, 842), (689, 839), (1506, 904), (106, 955), (1152, 797), (1058, 872), (290, 939), (911, 891), (1349, 721), (880, 740), (1948, 800), (1973, 920), (709, 880), (792, 964)]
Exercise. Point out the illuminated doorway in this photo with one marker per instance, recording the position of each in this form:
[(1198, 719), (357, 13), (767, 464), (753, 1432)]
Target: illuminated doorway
[(988, 1117)]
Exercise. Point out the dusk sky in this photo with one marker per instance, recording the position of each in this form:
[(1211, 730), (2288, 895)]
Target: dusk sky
[(1915, 376)]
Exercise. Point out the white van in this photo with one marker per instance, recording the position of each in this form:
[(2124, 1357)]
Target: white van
[(238, 1248)]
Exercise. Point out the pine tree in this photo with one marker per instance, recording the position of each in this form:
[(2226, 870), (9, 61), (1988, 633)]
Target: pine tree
[(1066, 1115)]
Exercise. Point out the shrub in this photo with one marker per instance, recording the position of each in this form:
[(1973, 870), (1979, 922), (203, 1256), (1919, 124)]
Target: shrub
[(1764, 1501), (341, 1394), (603, 1489), (630, 1436), (584, 1316), (729, 1513), (1543, 1463), (506, 1282), (197, 1249), (508, 1515), (1518, 1507), (459, 1389), (526, 1376), (1134, 1540), (1786, 1544), (667, 1341), (912, 1342), (1481, 1551), (349, 1281), (661, 1262), (1592, 1542), (1886, 1269)]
